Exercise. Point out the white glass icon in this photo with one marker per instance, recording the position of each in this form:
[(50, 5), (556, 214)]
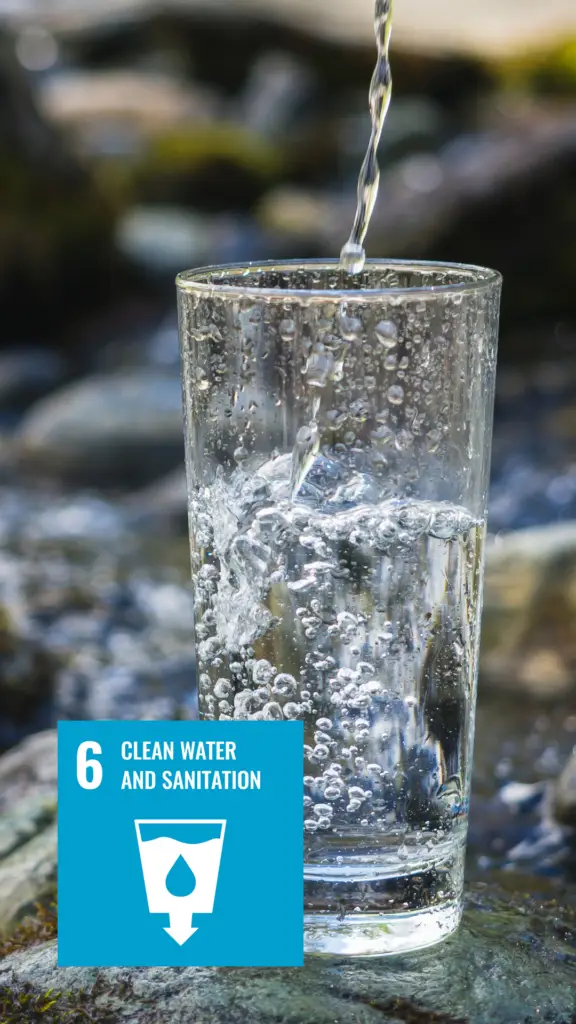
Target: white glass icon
[(180, 874)]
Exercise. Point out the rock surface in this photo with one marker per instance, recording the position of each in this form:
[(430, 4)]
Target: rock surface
[(28, 781), (95, 614), (120, 430), (528, 636), (155, 692), (27, 374), (27, 668), (163, 502), (511, 961)]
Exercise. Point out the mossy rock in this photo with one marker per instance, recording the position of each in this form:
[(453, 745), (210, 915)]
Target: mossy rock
[(514, 959)]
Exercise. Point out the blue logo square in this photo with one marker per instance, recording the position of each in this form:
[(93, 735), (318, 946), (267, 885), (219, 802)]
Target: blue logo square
[(180, 843)]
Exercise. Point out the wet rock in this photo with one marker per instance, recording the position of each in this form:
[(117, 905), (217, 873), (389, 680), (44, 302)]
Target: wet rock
[(27, 876), (77, 519), (163, 348), (27, 833), (29, 772), (528, 638), (26, 375), (117, 110), (158, 692), (117, 430), (511, 960), (521, 747), (162, 503), (98, 622), (27, 673), (165, 239), (533, 467)]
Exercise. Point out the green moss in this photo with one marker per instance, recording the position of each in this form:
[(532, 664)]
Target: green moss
[(404, 1010), (37, 928), (28, 1007), (547, 71)]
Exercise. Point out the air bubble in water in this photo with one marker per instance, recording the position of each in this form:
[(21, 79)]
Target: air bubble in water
[(319, 367), (323, 810), (272, 711), (320, 753), (292, 710), (387, 333), (396, 394), (222, 688), (350, 328), (287, 330), (262, 672), (444, 524), (285, 685), (325, 724)]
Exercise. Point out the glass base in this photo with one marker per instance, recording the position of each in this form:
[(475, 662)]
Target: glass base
[(367, 935)]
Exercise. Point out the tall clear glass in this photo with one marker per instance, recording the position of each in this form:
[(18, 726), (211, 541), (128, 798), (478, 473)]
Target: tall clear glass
[(338, 434)]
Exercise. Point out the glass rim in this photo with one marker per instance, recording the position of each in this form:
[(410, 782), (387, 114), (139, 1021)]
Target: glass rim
[(194, 281)]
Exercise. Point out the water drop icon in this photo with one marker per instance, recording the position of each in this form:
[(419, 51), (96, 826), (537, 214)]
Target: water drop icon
[(180, 880)]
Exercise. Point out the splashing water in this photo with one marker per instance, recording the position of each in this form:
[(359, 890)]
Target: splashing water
[(353, 256)]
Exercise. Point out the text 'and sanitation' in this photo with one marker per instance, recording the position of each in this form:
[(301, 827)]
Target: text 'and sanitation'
[(190, 752)]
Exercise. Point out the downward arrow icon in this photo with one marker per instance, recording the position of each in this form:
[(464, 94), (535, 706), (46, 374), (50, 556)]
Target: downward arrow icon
[(180, 926)]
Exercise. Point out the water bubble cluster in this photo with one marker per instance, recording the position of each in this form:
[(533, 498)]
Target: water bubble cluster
[(331, 614)]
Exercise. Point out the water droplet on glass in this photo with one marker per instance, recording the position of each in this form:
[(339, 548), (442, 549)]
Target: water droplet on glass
[(387, 333), (396, 394), (350, 328), (404, 439), (319, 367)]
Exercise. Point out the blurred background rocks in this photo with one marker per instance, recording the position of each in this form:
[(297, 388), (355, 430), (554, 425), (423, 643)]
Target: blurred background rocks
[(139, 138)]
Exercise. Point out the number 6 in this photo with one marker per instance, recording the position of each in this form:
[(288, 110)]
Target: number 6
[(83, 764)]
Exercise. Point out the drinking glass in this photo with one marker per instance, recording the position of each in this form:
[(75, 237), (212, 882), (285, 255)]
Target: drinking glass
[(338, 435)]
